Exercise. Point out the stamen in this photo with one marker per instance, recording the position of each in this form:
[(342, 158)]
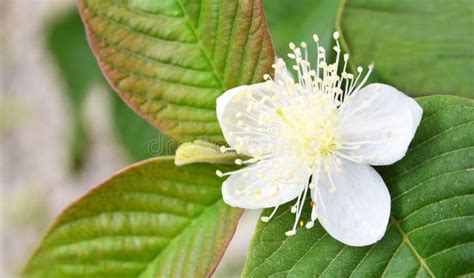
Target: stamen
[(321, 201), (309, 225), (353, 84), (290, 233), (224, 149), (267, 218), (300, 204), (254, 159), (315, 38), (220, 174), (294, 208), (371, 67), (315, 179)]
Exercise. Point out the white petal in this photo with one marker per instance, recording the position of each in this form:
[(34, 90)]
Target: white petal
[(384, 118), (265, 185), (237, 122), (357, 211)]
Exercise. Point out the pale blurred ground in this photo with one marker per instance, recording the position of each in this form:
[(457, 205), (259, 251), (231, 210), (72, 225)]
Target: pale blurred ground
[(36, 181)]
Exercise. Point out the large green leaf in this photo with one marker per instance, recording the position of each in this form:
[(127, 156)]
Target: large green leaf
[(421, 47), (296, 21), (170, 59), (153, 219), (431, 231)]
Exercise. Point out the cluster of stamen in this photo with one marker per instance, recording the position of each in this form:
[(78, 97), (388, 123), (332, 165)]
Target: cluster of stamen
[(306, 118)]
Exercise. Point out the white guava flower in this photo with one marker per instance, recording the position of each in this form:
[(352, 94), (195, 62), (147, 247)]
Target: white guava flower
[(321, 133)]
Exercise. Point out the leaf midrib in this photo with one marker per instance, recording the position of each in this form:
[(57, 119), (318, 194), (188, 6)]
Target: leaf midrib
[(412, 248), (201, 46)]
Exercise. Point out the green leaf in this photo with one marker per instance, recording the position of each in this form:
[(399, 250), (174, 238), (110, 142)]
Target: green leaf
[(290, 21), (150, 220), (420, 47), (431, 231), (171, 59)]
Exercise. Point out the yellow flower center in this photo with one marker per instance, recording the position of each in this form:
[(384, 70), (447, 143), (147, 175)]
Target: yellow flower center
[(313, 126)]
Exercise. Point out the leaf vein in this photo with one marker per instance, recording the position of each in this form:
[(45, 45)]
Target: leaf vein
[(422, 164), (439, 222), (435, 203), (428, 180)]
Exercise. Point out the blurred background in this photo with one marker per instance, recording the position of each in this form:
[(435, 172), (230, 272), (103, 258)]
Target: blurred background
[(63, 130)]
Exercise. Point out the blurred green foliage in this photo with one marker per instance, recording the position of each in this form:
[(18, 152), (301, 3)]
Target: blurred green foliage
[(421, 47), (296, 21), (79, 70), (140, 139)]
